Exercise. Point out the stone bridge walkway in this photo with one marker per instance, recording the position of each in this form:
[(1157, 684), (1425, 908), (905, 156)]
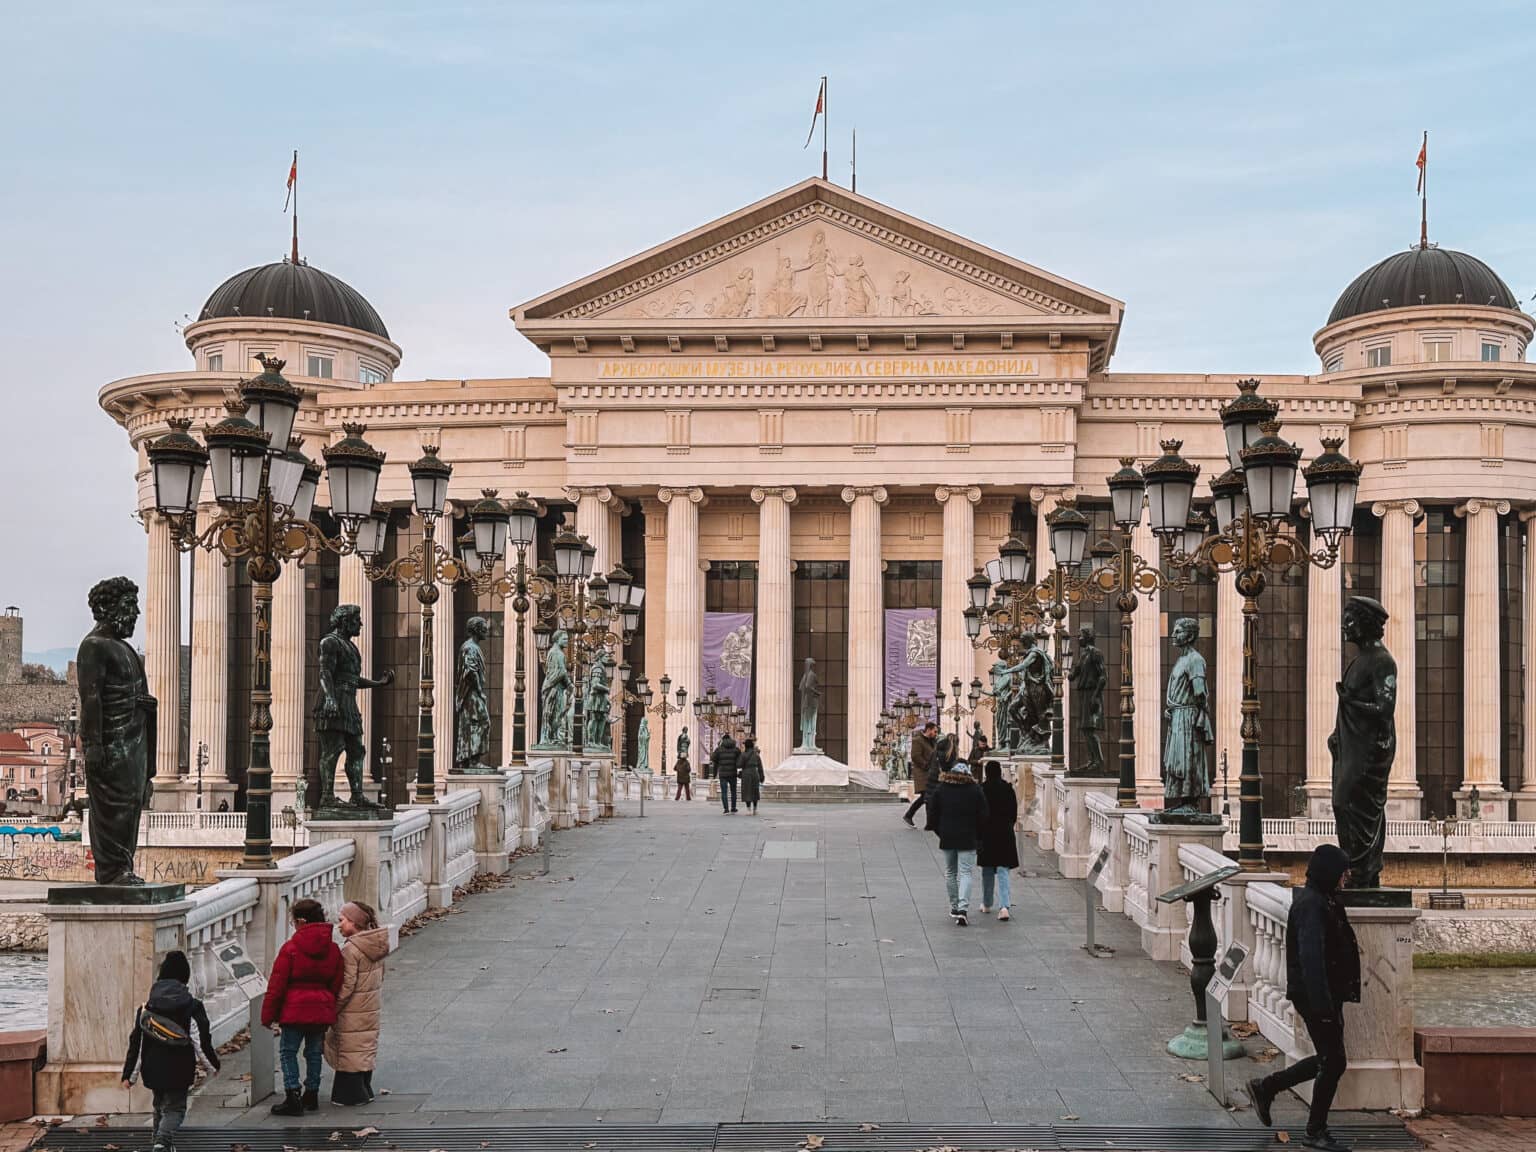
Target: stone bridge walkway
[(797, 965)]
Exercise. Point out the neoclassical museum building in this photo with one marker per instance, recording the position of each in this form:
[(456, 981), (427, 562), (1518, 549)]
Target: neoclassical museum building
[(812, 420)]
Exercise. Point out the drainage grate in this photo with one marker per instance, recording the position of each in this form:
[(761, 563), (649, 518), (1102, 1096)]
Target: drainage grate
[(789, 850), (735, 994)]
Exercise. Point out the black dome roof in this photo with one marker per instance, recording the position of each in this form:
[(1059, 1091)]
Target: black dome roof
[(293, 292), (1423, 276)]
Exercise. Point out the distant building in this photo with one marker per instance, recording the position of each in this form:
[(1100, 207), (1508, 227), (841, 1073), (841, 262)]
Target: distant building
[(10, 646)]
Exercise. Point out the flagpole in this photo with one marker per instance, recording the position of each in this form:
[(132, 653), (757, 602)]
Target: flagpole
[(826, 108), (1424, 194), (294, 256), (853, 164)]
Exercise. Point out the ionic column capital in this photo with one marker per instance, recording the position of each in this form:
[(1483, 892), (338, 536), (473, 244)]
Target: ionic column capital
[(877, 493), (1411, 507), (788, 495), (1474, 506), (1042, 492), (971, 493), (576, 493), (692, 495)]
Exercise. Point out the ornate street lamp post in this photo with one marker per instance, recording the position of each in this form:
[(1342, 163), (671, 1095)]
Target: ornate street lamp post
[(1252, 503), (663, 708), (1059, 589), (265, 487)]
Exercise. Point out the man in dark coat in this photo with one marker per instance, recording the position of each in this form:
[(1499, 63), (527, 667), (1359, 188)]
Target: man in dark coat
[(958, 810), (999, 854), (725, 764), (922, 761), (166, 1059), (752, 775), (1322, 974), (945, 752)]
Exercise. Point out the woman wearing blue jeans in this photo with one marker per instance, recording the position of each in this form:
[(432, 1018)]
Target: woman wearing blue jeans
[(999, 854), (958, 811)]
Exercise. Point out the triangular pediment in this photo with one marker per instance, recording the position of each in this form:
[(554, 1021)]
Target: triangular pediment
[(818, 251)]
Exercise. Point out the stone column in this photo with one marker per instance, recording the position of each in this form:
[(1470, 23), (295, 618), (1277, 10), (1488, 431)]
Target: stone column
[(956, 658), (1325, 665), (1404, 796), (162, 642), (210, 654), (288, 719), (1525, 799), (1228, 682), (1481, 731), (356, 588), (685, 599), (1147, 671), (866, 632), (592, 521), (656, 622), (444, 654), (775, 627)]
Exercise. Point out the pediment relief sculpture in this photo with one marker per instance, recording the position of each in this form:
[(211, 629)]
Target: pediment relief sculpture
[(819, 270)]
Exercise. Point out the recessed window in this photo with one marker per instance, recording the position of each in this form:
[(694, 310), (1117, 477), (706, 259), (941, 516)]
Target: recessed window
[(1379, 356), (1437, 351), (319, 366), (215, 361), (370, 373), (1334, 363), (1492, 351)]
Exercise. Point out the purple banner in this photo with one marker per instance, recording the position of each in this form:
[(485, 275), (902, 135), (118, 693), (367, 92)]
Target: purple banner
[(911, 653), (727, 657)]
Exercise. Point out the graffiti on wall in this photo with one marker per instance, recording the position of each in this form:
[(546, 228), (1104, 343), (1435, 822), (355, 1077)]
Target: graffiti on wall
[(47, 854)]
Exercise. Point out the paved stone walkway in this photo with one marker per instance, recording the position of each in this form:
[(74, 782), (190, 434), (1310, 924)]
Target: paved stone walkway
[(797, 965)]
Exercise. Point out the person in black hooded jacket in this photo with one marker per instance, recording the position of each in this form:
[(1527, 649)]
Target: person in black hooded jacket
[(1322, 974), (726, 763), (165, 1061)]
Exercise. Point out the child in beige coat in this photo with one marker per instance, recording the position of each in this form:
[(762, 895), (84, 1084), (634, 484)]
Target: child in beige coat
[(352, 1045)]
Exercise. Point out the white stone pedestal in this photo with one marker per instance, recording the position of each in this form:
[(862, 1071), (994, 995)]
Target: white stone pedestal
[(1319, 800), (1234, 923), (561, 814), (1378, 1032), (179, 794), (1072, 836), (605, 773), (1168, 924), (371, 877), (1043, 824), (102, 958), (1492, 802), (1116, 876), (1524, 802), (492, 836), (1404, 801), (807, 769)]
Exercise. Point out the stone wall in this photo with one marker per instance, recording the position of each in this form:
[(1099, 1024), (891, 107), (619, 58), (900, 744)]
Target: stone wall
[(1405, 871), (69, 861), (23, 931), (1462, 933), (22, 702)]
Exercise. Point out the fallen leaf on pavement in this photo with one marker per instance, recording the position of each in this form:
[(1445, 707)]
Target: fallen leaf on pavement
[(334, 1137), (1192, 1077), (812, 1142), (101, 1121), (1266, 1055), (1282, 1137), (1244, 1029), (485, 1143), (232, 1148), (883, 940), (111, 1147), (869, 1127), (383, 1091), (364, 1133), (1070, 1116)]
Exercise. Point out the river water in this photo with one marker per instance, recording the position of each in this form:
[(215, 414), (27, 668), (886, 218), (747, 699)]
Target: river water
[(23, 990)]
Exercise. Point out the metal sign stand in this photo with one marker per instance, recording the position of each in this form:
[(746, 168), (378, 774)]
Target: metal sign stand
[(1215, 1026), (1091, 946)]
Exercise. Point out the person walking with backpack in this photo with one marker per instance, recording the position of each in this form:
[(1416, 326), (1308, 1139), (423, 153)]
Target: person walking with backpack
[(958, 809), (999, 851), (752, 776), (170, 1038), (301, 1003), (352, 1044), (1322, 974), (725, 764)]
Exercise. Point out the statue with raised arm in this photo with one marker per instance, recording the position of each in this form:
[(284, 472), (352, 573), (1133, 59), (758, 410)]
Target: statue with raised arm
[(555, 700), (1089, 678), (598, 736), (338, 722), (1038, 694), (810, 707), (471, 707), (117, 730), (643, 746), (1364, 742), (1186, 770), (1002, 697)]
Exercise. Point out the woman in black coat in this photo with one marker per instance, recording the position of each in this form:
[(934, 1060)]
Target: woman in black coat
[(752, 775), (999, 854)]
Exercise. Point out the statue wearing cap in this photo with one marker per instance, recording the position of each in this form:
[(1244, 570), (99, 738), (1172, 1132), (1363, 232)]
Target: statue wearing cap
[(1364, 742)]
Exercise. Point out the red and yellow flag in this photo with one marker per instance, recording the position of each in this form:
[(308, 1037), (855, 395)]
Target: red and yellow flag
[(821, 106), (1422, 162), (293, 176)]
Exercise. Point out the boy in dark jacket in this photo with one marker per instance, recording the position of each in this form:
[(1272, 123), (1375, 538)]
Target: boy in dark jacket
[(301, 1003), (170, 1038), (725, 764), (1322, 974), (958, 811)]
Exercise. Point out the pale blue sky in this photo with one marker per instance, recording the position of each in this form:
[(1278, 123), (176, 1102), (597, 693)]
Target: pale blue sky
[(1225, 169)]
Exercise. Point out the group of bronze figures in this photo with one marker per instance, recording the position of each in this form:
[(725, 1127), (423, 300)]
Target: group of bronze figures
[(118, 719)]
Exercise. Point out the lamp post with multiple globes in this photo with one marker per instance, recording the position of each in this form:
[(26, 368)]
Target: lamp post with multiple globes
[(662, 708)]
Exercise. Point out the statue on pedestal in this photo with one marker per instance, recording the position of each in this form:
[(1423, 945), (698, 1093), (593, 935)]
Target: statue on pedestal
[(555, 702), (1089, 678), (1002, 697), (810, 707), (472, 712), (117, 730), (643, 746), (598, 736), (338, 722), (1033, 698), (684, 742), (1364, 742), (1186, 771)]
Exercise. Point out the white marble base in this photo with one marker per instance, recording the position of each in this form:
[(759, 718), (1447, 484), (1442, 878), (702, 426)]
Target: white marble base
[(1168, 924), (1378, 1032), (877, 778), (491, 855), (804, 769), (1404, 802), (1072, 837), (1524, 802), (1492, 802)]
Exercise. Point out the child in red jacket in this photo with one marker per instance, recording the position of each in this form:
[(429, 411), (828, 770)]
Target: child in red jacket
[(301, 1003)]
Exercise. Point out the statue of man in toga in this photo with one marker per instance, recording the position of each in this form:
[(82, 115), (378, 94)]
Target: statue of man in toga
[(338, 722), (1186, 772), (643, 746), (117, 730), (471, 707), (810, 706), (555, 697), (1364, 742), (1088, 677)]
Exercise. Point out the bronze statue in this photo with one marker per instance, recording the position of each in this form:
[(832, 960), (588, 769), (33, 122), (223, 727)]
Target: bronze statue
[(810, 707), (471, 709), (556, 704), (1089, 678), (1186, 771), (338, 722), (598, 736), (1035, 696), (1364, 742), (117, 730)]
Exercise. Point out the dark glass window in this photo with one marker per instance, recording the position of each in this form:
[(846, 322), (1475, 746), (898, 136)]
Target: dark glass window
[(1105, 619), (322, 584), (1438, 543), (821, 632), (632, 550), (1361, 556), (237, 736), (1512, 649), (1198, 601), (397, 645), (1282, 665)]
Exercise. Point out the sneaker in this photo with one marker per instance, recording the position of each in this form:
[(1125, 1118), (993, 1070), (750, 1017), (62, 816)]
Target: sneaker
[(960, 920), (907, 820), (1002, 914), (1324, 1142), (1260, 1100)]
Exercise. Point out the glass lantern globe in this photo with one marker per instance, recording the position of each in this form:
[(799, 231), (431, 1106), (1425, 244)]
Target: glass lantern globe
[(1194, 533), (352, 468), (429, 482), (237, 454), (1170, 482), (568, 555), (619, 584), (272, 402), (1333, 482), (1069, 534), (1229, 496), (177, 462), (973, 622), (371, 531), (525, 520), (1014, 554), (488, 520), (309, 486), (1269, 469), (1243, 418), (980, 589), (285, 473), (1125, 491)]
